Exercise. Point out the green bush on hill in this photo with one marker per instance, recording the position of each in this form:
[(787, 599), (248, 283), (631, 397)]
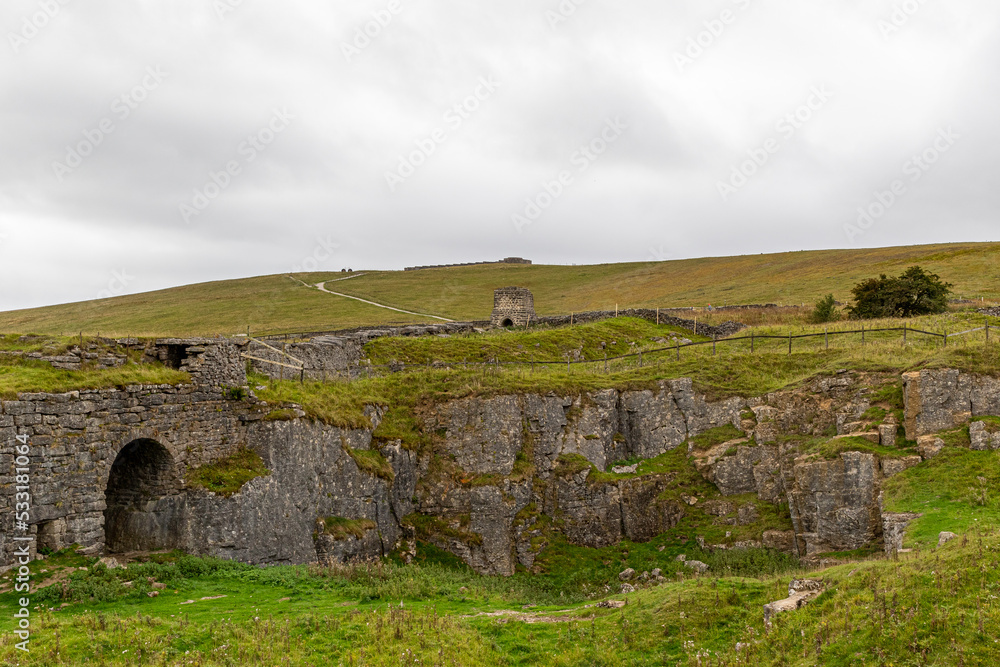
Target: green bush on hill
[(826, 310), (914, 293)]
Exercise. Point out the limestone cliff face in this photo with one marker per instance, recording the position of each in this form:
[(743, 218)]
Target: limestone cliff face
[(502, 471), (835, 504), (273, 518), (485, 435)]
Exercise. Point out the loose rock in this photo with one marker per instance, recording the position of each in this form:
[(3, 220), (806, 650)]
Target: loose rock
[(944, 537)]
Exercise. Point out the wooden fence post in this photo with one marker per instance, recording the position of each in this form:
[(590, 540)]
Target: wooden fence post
[(789, 343), (751, 342), (605, 363), (905, 328), (657, 317), (678, 351), (826, 336), (640, 358), (862, 334), (987, 332)]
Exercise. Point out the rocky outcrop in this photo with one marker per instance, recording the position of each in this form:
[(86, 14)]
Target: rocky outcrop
[(892, 467), (983, 436), (835, 504), (752, 469), (272, 518), (941, 400), (893, 527), (485, 435)]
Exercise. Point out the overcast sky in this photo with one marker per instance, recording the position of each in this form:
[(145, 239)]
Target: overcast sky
[(150, 144)]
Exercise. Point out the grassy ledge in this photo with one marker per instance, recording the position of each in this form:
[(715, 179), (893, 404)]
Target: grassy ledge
[(373, 463), (340, 528)]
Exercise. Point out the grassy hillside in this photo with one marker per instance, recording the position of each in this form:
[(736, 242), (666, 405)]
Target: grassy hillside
[(274, 304)]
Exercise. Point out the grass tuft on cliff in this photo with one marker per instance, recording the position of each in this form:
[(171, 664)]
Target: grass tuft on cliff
[(340, 528), (372, 462), (228, 475)]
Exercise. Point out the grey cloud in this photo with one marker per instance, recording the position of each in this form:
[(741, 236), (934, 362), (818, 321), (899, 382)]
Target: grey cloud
[(654, 193)]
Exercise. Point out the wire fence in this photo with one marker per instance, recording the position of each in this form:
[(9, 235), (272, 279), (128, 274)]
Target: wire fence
[(757, 343)]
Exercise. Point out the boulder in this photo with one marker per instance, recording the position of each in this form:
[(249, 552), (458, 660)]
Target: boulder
[(936, 400), (748, 514), (981, 437), (111, 563), (835, 504), (887, 434), (945, 537), (627, 575), (800, 593), (780, 540), (892, 467), (697, 566), (893, 528), (929, 446)]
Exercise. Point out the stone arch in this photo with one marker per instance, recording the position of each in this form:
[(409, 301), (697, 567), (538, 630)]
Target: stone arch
[(507, 323), (143, 501)]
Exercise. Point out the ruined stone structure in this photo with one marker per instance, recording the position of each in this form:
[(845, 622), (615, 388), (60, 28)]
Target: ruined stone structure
[(513, 306)]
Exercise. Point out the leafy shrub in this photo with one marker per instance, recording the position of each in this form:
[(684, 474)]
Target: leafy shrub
[(826, 310)]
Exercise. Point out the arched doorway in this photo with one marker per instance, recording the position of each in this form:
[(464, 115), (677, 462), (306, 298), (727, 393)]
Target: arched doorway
[(142, 501), (507, 323)]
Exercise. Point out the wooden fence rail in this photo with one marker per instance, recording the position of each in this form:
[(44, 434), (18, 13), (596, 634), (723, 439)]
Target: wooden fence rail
[(676, 349), (753, 339)]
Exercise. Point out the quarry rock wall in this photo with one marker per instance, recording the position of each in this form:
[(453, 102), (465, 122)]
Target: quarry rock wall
[(110, 469)]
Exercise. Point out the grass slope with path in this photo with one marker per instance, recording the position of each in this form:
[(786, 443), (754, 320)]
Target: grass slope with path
[(276, 304)]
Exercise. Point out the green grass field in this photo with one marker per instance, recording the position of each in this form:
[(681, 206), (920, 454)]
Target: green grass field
[(932, 607), (275, 304)]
